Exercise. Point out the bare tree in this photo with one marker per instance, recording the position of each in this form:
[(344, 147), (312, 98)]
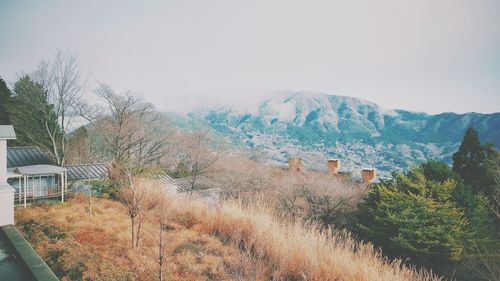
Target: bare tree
[(242, 177), (160, 241), (199, 151), (139, 201), (65, 85), (161, 217), (132, 132)]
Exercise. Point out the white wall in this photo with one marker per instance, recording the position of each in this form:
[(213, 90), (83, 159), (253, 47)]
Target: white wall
[(6, 204), (6, 191), (3, 161)]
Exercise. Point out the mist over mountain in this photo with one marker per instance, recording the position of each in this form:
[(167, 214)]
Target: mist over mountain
[(317, 126)]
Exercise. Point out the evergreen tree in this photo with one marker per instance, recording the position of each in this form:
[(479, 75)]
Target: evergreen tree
[(31, 114), (414, 216), (470, 163), (5, 101)]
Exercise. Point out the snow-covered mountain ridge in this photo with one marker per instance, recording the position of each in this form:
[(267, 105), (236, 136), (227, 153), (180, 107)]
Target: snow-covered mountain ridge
[(318, 126)]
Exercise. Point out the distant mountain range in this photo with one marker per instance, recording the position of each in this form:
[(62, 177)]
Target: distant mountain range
[(317, 126)]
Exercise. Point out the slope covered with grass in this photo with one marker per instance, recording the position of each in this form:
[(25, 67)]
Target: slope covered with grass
[(203, 242)]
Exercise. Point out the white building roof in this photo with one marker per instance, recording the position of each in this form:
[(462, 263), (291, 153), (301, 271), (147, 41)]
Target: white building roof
[(7, 132), (39, 170)]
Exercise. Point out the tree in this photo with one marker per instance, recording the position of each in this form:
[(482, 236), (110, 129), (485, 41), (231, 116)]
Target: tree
[(494, 200), (469, 163), (139, 201), (5, 102), (131, 132), (64, 85), (478, 166), (198, 152), (81, 147), (160, 219), (32, 115), (81, 153), (414, 216)]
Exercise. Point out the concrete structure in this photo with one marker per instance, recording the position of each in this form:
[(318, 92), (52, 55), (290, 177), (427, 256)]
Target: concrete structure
[(333, 166), (6, 191), (18, 260), (295, 164), (369, 175)]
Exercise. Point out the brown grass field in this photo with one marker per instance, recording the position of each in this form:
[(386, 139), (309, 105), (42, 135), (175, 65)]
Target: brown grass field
[(225, 242)]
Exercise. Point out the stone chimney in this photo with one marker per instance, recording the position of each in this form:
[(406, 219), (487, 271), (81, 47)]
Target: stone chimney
[(6, 191), (369, 175), (295, 164), (333, 166)]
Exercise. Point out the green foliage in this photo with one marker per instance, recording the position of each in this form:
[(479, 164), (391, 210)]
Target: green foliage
[(439, 171), (106, 189), (5, 102), (470, 163), (34, 230), (181, 171), (441, 218), (32, 115), (415, 216)]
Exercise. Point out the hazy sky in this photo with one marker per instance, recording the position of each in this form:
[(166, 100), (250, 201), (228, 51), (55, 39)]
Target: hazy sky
[(425, 55)]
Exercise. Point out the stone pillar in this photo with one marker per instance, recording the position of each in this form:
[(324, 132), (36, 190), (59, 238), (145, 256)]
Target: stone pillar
[(295, 164), (333, 166), (369, 175)]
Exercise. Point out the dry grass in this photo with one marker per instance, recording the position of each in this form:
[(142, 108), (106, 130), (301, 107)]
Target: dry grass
[(77, 247), (308, 195), (227, 242), (293, 250)]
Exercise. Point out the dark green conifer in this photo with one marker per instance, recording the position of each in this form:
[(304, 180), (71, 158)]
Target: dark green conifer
[(5, 101)]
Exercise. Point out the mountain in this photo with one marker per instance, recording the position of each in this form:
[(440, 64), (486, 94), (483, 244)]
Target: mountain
[(317, 126)]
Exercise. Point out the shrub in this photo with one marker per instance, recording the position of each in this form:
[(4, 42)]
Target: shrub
[(106, 189)]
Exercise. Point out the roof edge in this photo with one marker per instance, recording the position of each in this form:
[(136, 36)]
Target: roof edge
[(37, 267)]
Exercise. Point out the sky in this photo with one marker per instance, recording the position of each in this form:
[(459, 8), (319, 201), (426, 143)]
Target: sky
[(424, 55)]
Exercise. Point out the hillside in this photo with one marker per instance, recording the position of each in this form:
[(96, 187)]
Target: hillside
[(317, 126), (202, 243)]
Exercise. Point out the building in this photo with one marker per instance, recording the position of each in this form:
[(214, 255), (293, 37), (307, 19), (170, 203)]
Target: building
[(81, 175), (203, 188), (18, 260), (6, 190), (34, 175)]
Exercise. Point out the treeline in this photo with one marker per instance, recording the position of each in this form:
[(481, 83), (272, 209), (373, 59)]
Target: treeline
[(43, 105), (433, 216), (49, 108)]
